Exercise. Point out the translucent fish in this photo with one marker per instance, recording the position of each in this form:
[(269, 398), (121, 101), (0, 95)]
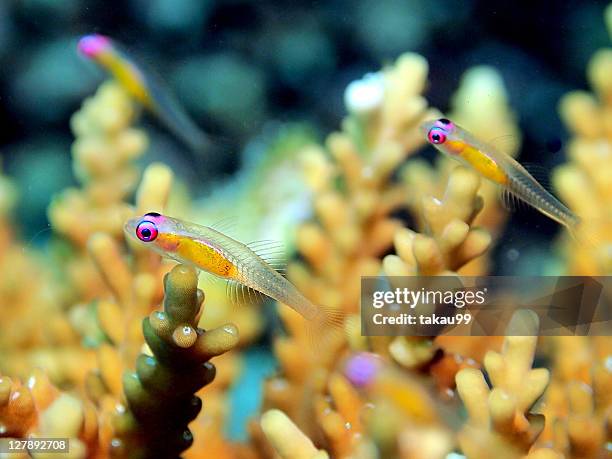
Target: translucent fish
[(247, 268), (145, 88), (497, 167)]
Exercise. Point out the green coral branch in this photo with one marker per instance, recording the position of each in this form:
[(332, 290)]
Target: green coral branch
[(160, 394)]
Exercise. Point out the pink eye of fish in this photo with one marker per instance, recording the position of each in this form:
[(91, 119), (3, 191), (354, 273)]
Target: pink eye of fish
[(146, 231), (436, 136), (91, 45)]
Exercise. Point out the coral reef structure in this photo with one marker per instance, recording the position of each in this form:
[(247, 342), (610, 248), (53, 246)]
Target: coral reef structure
[(104, 342), (160, 393), (584, 182)]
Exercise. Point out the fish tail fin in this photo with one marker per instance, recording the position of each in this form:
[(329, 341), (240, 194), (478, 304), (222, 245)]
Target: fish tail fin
[(596, 236), (326, 328), (585, 232)]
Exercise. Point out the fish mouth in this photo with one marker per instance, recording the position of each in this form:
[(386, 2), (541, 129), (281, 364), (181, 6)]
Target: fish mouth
[(426, 126), (129, 228)]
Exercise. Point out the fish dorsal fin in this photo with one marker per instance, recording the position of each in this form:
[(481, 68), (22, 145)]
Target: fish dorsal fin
[(540, 173), (272, 252), (509, 144), (240, 295), (225, 225)]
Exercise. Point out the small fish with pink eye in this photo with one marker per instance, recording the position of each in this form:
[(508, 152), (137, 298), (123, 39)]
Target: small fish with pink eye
[(247, 267), (383, 382), (146, 89), (499, 168)]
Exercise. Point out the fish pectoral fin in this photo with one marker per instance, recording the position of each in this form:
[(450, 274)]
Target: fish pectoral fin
[(240, 295), (209, 278), (272, 252)]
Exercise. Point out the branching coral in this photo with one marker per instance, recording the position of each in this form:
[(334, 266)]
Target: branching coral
[(104, 151), (160, 393), (449, 203), (578, 406), (372, 213), (163, 383), (111, 323), (584, 182), (376, 410), (31, 315), (451, 242), (353, 196), (400, 410), (287, 439), (499, 417), (39, 409)]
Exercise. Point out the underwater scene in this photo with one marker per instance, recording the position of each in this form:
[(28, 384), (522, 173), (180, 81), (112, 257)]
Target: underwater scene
[(192, 193)]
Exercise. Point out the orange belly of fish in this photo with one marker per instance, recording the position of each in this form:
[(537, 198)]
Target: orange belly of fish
[(206, 257), (485, 166)]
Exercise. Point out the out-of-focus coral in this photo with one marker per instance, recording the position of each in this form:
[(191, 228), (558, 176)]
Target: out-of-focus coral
[(499, 418), (354, 193), (105, 297), (353, 198), (33, 325), (38, 409), (394, 408), (104, 151), (584, 182), (375, 410), (340, 415), (369, 209), (450, 241), (109, 325), (455, 212), (287, 439), (578, 404), (147, 411), (160, 393)]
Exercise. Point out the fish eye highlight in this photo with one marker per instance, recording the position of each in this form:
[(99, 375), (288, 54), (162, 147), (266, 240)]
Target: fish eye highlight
[(146, 231), (436, 136)]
